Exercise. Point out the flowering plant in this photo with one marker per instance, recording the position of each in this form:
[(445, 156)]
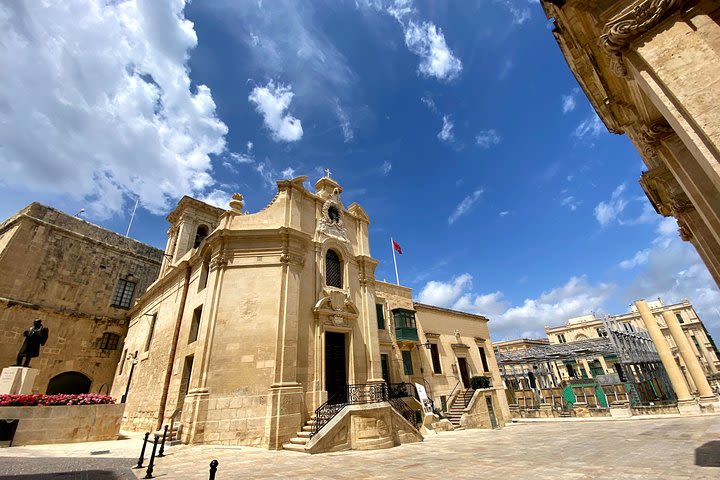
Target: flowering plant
[(51, 400)]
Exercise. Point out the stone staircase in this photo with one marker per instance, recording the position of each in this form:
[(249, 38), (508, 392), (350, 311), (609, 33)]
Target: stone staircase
[(456, 409), (297, 444)]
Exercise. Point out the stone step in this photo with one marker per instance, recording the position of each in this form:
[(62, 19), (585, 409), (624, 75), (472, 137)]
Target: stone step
[(303, 434), (307, 428), (295, 448), (299, 440)]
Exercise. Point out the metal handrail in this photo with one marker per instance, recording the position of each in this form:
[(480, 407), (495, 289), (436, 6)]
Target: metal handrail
[(450, 396)]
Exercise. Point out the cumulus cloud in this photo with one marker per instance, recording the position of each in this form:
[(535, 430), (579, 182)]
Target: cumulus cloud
[(504, 213), (640, 258), (465, 206), (96, 102), (446, 133), (272, 102), (487, 138), (553, 307)]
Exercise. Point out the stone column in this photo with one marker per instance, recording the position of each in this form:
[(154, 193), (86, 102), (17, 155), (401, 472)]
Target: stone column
[(603, 363), (586, 366), (686, 402), (691, 361)]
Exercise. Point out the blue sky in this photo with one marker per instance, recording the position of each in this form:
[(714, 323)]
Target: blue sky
[(457, 126)]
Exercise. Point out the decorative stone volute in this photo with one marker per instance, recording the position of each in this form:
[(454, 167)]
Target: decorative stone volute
[(621, 30)]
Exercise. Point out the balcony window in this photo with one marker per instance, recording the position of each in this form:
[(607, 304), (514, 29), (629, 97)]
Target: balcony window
[(380, 316), (405, 328), (407, 362)]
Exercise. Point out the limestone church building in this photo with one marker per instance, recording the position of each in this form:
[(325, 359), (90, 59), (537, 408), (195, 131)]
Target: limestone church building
[(256, 320)]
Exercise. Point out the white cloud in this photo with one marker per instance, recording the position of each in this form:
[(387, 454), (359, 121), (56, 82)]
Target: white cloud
[(242, 157), (610, 211), (272, 101), (640, 258), (553, 307), (347, 130), (429, 102), (607, 212), (446, 133), (487, 138), (504, 213), (465, 206), (96, 103), (589, 128), (217, 197), (386, 167), (288, 173), (519, 15), (425, 40), (667, 227), (571, 202), (428, 42), (569, 101)]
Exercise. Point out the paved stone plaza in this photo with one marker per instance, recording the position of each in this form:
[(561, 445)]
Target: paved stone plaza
[(682, 448)]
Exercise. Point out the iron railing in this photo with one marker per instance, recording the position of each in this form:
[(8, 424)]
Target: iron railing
[(361, 393)]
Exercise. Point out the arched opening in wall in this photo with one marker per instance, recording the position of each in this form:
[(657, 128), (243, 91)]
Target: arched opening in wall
[(204, 271), (200, 234), (69, 383), (333, 269), (580, 336)]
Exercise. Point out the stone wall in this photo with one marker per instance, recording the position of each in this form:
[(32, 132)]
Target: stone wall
[(64, 270), (64, 424)]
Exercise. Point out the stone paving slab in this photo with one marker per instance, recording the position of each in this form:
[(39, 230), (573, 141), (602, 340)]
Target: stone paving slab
[(673, 448)]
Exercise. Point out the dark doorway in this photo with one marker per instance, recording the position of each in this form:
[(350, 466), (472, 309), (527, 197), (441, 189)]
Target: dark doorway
[(335, 371), (185, 381), (385, 367), (69, 383), (491, 412), (462, 365)]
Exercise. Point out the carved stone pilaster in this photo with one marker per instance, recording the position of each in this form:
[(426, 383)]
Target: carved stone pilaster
[(218, 261), (638, 18)]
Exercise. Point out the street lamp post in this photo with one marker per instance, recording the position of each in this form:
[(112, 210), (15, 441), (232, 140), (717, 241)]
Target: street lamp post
[(133, 361)]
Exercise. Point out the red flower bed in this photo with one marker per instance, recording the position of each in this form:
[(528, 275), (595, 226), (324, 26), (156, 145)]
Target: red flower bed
[(50, 400)]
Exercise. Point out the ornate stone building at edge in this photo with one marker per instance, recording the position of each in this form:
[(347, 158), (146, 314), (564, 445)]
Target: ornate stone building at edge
[(651, 69), (269, 329)]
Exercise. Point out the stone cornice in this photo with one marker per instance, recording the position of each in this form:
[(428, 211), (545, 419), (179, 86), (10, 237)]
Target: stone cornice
[(635, 20)]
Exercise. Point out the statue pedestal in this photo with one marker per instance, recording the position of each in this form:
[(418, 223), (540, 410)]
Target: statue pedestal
[(17, 380)]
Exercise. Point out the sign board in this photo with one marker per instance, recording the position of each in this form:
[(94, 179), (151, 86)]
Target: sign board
[(424, 399)]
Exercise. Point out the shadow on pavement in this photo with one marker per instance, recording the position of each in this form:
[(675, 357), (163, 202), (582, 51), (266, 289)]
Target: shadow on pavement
[(54, 468), (708, 454)]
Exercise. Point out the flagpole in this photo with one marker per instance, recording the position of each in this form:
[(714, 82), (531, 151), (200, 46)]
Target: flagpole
[(392, 247)]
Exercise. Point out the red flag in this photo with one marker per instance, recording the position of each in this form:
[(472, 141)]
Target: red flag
[(397, 247)]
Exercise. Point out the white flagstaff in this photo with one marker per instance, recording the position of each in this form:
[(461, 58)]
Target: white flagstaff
[(392, 247), (132, 217)]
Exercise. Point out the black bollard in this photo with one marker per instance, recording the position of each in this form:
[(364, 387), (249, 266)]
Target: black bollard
[(142, 452), (213, 468), (162, 445), (151, 464)]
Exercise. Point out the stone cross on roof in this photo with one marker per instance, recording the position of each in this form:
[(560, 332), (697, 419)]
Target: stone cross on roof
[(327, 172)]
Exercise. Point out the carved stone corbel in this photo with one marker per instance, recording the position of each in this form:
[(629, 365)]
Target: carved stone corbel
[(684, 230), (219, 261), (651, 135), (635, 20)]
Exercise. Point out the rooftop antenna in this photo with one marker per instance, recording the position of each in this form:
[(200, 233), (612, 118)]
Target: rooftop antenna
[(132, 216), (80, 212)]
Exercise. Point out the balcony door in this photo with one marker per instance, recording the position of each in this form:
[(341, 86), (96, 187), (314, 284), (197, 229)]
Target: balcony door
[(335, 367)]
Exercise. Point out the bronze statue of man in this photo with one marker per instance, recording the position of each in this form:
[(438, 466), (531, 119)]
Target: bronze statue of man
[(35, 336)]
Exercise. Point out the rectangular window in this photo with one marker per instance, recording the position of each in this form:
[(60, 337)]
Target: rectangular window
[(204, 273), (435, 356), (109, 341), (561, 338), (151, 332), (443, 402), (123, 293), (679, 318), (380, 316), (187, 373), (195, 324), (483, 359), (697, 345), (601, 332), (407, 362)]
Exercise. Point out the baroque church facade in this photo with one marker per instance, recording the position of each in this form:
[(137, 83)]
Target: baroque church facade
[(256, 320)]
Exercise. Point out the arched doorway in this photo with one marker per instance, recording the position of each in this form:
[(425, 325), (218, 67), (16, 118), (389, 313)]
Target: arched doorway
[(69, 383)]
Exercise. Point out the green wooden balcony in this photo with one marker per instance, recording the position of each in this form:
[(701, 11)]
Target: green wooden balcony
[(407, 334)]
